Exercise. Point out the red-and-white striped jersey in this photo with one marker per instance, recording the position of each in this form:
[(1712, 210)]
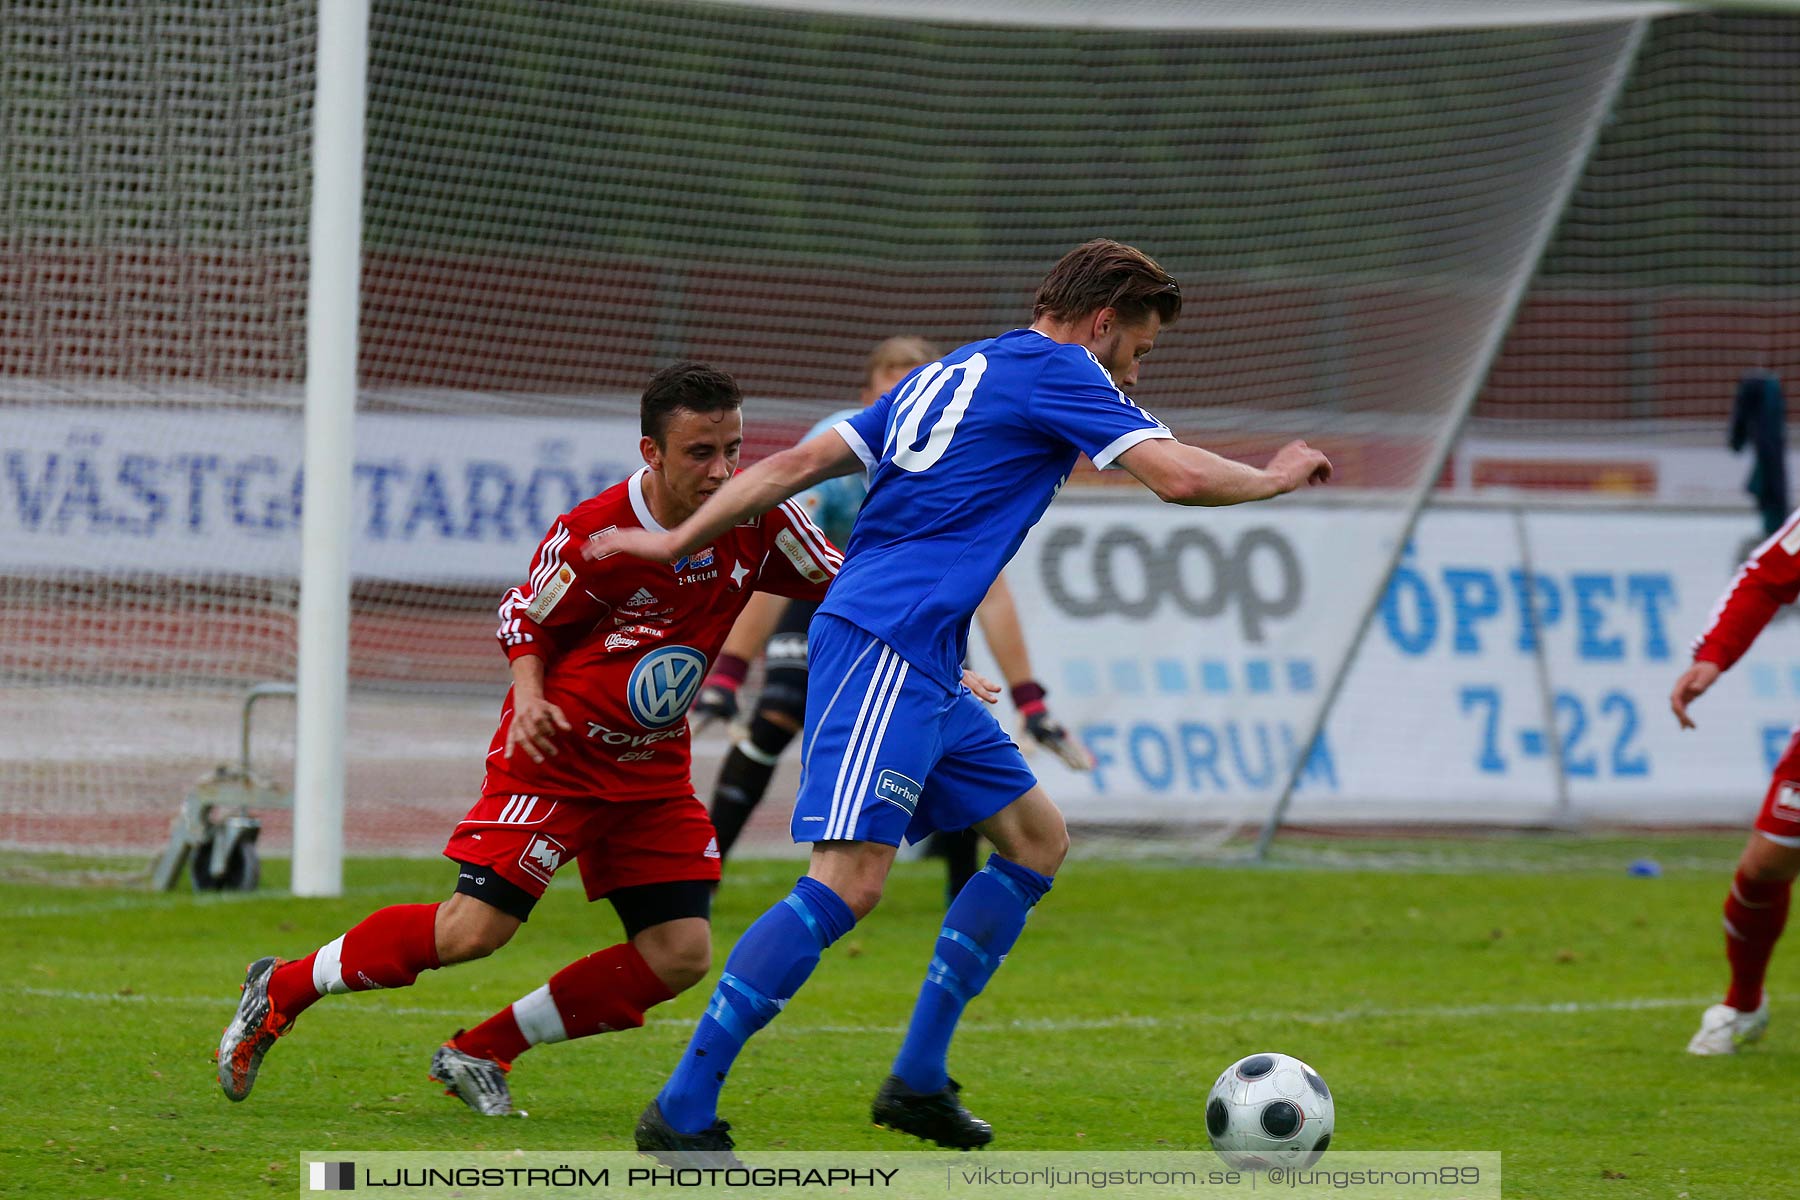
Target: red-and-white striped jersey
[(627, 642), (1769, 579)]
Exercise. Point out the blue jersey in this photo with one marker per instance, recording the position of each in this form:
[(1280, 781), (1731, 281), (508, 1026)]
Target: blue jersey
[(832, 505), (964, 456)]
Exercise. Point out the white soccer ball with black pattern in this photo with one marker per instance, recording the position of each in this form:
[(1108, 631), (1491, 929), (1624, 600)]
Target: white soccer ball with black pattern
[(1269, 1110)]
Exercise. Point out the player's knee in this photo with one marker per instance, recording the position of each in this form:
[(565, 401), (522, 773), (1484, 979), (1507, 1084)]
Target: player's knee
[(771, 732), (1761, 872), (783, 705), (860, 895), (1044, 845), (787, 723), (679, 952), (856, 871), (681, 970), (468, 928), (1770, 862), (1031, 832), (467, 941)]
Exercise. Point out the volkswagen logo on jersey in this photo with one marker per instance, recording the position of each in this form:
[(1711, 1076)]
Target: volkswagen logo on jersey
[(663, 684)]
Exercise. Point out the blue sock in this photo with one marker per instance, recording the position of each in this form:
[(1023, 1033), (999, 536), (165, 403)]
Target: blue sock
[(979, 929), (764, 969)]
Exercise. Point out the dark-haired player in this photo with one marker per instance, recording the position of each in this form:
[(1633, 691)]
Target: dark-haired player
[(963, 456), (590, 763)]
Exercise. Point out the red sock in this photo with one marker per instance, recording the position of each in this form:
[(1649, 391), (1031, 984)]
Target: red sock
[(1755, 912), (291, 988), (387, 950), (498, 1038), (597, 994)]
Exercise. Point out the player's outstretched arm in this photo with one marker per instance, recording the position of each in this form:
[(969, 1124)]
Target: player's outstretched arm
[(1769, 579), (750, 493), (1184, 474), (755, 625)]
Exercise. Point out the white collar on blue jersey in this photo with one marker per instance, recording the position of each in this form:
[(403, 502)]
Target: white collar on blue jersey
[(641, 506)]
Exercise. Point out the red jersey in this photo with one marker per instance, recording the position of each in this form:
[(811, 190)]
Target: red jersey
[(626, 642), (1770, 579)]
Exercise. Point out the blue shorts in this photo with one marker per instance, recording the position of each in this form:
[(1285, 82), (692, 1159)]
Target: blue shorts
[(890, 753)]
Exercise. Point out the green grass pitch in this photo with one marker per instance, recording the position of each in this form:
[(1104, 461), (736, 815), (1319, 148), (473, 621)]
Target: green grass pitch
[(1537, 1006)]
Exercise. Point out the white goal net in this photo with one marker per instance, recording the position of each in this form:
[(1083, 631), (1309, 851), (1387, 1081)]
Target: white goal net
[(562, 197)]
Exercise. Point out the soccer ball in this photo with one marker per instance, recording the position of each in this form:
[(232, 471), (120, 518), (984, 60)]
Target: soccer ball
[(1269, 1110)]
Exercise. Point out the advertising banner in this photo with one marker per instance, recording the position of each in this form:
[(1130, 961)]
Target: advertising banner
[(439, 499), (1190, 648)]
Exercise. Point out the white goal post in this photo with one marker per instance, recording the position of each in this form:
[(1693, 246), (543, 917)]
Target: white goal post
[(333, 306)]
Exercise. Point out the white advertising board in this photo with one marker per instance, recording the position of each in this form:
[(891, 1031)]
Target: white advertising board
[(1193, 683), (439, 499)]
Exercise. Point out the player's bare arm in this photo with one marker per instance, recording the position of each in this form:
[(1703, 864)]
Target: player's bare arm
[(998, 617), (748, 494), (1690, 687), (535, 721), (755, 625), (1182, 474), (999, 620)]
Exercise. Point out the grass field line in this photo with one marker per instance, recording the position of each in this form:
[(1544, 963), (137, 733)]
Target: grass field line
[(187, 900), (184, 901), (1343, 1016)]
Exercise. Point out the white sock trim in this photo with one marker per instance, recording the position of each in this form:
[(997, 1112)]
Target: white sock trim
[(538, 1019), (328, 968)]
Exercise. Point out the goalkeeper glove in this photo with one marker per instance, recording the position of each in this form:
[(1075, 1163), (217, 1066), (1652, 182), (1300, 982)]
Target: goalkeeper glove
[(717, 700), (1046, 730)]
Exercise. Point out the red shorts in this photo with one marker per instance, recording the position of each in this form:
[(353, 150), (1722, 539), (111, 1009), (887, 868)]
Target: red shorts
[(526, 838), (1779, 819)]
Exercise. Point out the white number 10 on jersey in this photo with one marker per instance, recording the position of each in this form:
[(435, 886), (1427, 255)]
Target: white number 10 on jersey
[(911, 406)]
